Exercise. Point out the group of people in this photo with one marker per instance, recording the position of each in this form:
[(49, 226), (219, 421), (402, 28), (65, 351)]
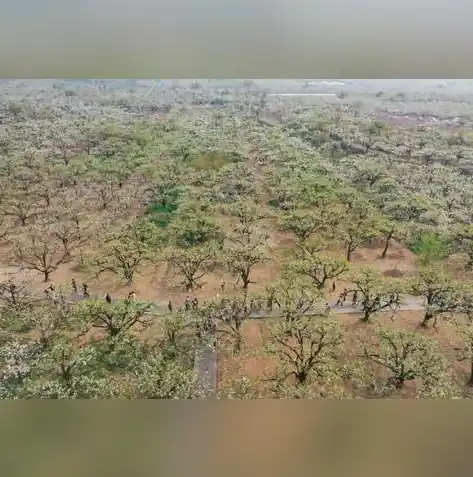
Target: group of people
[(344, 295), (85, 288), (50, 292), (131, 297)]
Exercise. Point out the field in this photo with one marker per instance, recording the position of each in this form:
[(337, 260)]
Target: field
[(266, 210)]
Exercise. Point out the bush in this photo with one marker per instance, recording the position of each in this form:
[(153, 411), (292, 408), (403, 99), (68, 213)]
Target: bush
[(161, 215), (430, 246)]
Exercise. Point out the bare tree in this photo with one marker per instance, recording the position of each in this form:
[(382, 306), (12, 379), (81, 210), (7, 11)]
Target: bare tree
[(68, 234), (105, 191), (15, 293), (39, 252), (20, 208)]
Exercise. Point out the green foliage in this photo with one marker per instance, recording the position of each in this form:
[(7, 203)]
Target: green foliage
[(429, 245), (214, 160), (408, 356), (319, 267), (161, 214), (305, 347), (442, 294), (88, 153), (193, 227), (377, 293)]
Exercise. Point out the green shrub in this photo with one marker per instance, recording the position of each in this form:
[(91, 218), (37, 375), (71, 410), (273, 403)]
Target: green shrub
[(430, 246), (161, 215)]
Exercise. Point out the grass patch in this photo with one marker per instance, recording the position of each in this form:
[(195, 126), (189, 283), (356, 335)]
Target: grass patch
[(161, 215)]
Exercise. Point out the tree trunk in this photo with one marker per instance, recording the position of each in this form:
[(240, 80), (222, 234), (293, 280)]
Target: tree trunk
[(349, 252), (128, 275), (46, 274), (427, 318), (301, 378), (386, 246), (237, 347)]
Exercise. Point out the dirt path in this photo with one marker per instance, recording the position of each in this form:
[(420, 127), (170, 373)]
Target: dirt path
[(410, 304)]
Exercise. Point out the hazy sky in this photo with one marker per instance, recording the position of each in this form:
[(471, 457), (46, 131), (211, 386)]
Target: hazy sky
[(284, 38)]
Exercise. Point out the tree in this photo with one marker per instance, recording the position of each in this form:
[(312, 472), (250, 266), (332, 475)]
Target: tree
[(305, 347), (389, 229), (193, 227), (18, 359), (105, 190), (123, 255), (229, 313), (310, 248), (248, 216), (47, 189), (3, 226), (407, 355), (20, 208), (242, 258), (320, 268), (39, 252), (441, 294), (193, 263), (70, 368), (358, 227), (294, 297), (115, 318), (15, 293), (376, 293), (156, 377), (67, 232), (166, 187), (465, 351), (463, 238), (304, 223), (175, 328), (63, 145), (45, 322)]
